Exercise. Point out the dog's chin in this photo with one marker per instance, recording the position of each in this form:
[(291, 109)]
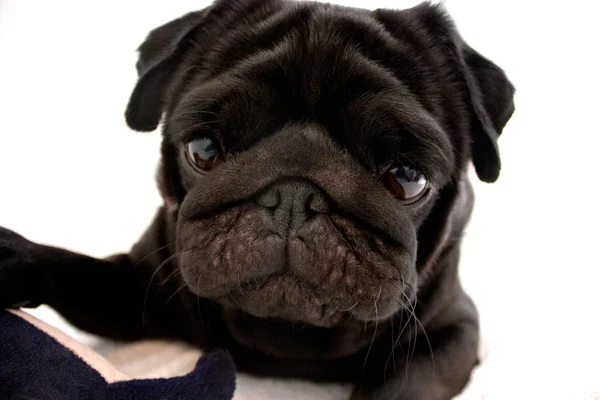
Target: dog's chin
[(285, 297), (287, 316), (282, 338)]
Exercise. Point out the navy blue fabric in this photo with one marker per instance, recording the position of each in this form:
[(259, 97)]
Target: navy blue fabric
[(34, 365)]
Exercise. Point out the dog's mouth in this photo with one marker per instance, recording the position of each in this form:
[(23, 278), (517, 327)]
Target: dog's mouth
[(287, 317), (286, 297), (324, 272)]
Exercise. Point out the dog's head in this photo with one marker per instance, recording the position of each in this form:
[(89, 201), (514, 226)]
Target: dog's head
[(313, 155)]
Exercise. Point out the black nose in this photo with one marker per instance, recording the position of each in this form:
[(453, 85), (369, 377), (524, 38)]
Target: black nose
[(293, 203)]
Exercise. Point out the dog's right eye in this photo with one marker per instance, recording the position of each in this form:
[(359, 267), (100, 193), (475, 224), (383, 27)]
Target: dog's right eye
[(203, 154)]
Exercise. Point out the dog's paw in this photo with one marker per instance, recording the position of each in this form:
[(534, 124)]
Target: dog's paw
[(18, 274)]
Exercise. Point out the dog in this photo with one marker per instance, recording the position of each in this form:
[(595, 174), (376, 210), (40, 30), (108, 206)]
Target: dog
[(314, 174)]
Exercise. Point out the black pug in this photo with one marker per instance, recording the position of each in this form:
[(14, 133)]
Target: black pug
[(314, 175)]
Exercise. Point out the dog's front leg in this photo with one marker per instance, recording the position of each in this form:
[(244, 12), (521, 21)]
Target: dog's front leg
[(115, 297), (440, 366)]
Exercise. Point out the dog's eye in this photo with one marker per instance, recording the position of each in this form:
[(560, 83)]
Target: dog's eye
[(407, 183), (203, 154)]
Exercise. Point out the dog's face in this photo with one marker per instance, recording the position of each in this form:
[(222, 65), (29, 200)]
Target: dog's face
[(313, 154)]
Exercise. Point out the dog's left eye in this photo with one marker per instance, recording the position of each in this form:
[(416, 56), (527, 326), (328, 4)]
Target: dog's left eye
[(407, 183), (203, 154)]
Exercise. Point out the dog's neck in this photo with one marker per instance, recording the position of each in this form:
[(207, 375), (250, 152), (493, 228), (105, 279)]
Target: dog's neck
[(290, 340)]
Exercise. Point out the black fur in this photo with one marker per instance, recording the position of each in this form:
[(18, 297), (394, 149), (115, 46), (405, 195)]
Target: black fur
[(310, 103)]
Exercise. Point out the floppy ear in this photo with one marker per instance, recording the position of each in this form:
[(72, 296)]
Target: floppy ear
[(492, 106), (158, 60), (490, 92)]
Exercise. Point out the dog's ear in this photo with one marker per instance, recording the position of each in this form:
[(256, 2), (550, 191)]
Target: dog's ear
[(492, 106), (158, 60), (490, 94)]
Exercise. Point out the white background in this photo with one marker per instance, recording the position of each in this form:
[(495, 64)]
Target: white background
[(72, 174)]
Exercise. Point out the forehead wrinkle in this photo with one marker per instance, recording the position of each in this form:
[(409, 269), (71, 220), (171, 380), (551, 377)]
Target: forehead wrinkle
[(194, 108), (214, 86), (191, 109), (433, 147), (406, 128)]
